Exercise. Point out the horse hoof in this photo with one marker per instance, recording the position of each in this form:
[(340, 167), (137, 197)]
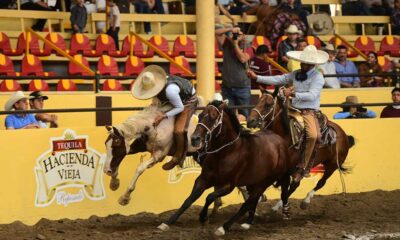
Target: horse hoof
[(114, 184), (277, 206), (220, 231), (123, 201), (245, 226), (163, 227), (304, 205)]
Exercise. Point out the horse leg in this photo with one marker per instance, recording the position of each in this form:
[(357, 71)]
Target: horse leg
[(211, 198), (250, 218), (126, 197), (292, 187), (199, 187), (249, 204), (285, 181), (114, 183), (329, 170), (217, 205)]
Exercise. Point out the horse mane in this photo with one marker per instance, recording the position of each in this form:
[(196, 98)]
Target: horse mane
[(141, 121), (285, 115), (232, 117)]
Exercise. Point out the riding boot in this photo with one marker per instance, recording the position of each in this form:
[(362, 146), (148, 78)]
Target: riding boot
[(180, 153)]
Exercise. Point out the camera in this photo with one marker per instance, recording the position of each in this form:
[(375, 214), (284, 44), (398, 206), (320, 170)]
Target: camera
[(235, 36)]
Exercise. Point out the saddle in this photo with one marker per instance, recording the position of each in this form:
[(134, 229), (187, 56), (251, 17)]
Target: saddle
[(297, 132)]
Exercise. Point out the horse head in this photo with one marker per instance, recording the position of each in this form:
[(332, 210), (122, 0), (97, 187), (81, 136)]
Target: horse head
[(264, 111), (117, 148), (209, 120)]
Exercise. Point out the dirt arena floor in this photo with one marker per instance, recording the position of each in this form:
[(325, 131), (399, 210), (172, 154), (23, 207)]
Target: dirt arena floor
[(371, 215)]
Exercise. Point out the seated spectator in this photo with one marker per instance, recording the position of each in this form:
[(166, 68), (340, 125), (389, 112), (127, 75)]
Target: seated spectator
[(38, 6), (329, 67), (392, 111), (240, 7), (259, 66), (100, 8), (114, 20), (395, 18), (294, 65), (355, 8), (344, 66), (148, 7), (295, 6), (262, 10), (371, 66), (353, 112), (36, 101), (289, 44), (19, 101), (218, 10), (78, 17)]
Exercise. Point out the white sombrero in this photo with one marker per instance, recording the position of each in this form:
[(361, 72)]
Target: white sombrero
[(19, 95), (292, 29), (309, 55), (149, 83)]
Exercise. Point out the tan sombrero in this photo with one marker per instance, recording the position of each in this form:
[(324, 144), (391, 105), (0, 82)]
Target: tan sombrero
[(310, 55), (149, 83), (19, 95)]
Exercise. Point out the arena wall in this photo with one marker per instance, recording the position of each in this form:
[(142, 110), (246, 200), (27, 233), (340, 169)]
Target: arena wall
[(35, 185)]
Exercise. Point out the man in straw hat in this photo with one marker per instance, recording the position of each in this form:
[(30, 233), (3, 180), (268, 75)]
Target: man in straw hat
[(289, 44), (19, 101), (305, 92), (177, 91)]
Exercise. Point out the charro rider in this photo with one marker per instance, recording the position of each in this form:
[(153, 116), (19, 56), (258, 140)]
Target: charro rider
[(305, 92), (177, 91)]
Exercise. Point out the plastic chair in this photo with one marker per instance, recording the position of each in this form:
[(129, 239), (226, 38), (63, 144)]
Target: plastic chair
[(80, 44), (66, 85), (177, 71), (5, 46), (133, 66), (7, 66), (107, 66), (74, 69), (184, 45), (34, 47), (161, 43), (112, 85), (9, 85), (38, 85), (390, 45), (57, 40), (365, 44), (32, 65)]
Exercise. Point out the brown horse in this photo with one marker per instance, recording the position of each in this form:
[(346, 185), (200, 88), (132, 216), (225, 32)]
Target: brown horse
[(271, 113), (234, 157)]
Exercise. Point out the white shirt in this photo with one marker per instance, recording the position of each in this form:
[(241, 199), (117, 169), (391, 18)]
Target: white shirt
[(172, 93), (114, 12), (329, 68)]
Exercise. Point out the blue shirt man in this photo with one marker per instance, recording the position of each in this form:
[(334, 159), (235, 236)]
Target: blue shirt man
[(344, 66), (19, 101)]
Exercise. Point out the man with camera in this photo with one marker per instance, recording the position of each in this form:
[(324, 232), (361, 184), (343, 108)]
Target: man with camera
[(235, 82), (353, 111)]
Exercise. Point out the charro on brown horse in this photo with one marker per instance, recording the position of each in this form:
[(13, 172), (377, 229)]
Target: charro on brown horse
[(271, 112)]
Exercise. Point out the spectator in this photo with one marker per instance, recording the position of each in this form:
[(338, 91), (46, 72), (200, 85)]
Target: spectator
[(355, 8), (392, 111), (395, 18), (289, 44), (218, 9), (235, 82), (19, 101), (78, 17), (294, 65), (353, 112), (148, 7), (190, 6), (371, 66), (38, 6), (36, 101), (259, 66), (344, 66), (329, 67), (114, 20), (100, 8), (295, 6)]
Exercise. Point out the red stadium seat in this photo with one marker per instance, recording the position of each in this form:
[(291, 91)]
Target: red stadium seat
[(161, 43), (66, 85), (218, 52), (6, 66), (365, 44), (336, 42), (107, 66), (10, 86), (250, 51), (38, 85), (261, 40), (32, 65), (105, 45), (218, 74), (133, 66), (57, 40), (385, 63), (177, 71), (112, 85), (5, 46), (137, 47), (74, 69), (184, 45), (311, 40), (390, 45), (34, 47), (80, 44)]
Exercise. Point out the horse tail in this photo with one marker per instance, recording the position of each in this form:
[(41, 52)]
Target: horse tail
[(352, 141)]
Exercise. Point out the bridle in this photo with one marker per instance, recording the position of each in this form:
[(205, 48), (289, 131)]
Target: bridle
[(262, 117), (207, 139)]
